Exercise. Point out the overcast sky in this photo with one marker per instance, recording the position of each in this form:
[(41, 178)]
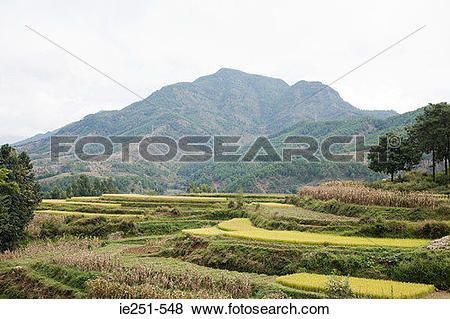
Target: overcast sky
[(149, 44)]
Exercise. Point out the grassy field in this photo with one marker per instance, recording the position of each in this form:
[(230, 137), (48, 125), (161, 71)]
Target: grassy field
[(221, 246), (75, 213)]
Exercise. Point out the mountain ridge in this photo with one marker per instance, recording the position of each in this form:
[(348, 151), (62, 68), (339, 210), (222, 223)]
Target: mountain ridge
[(252, 101)]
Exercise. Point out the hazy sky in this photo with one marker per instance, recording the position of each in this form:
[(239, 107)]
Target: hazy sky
[(149, 44)]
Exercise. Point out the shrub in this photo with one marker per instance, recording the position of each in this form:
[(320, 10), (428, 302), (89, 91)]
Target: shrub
[(175, 211), (293, 200), (339, 287), (425, 267), (50, 228), (435, 230)]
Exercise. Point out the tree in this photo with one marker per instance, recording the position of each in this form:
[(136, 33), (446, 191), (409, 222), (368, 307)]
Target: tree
[(69, 191), (96, 187), (56, 193), (83, 185), (203, 188), (431, 134), (442, 112), (74, 188), (393, 154), (192, 188), (110, 187), (19, 193)]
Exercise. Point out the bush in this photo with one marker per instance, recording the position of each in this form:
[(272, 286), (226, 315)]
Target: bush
[(224, 214), (339, 288), (50, 228), (175, 211), (98, 226), (293, 200), (426, 267), (401, 229), (435, 230)]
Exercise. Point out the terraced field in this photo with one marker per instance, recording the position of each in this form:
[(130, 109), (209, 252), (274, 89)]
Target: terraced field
[(372, 288), (214, 246), (242, 228)]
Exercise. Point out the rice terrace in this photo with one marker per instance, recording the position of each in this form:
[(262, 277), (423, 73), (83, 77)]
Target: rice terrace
[(225, 245)]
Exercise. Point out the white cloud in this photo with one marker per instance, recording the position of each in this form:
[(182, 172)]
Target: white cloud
[(146, 45)]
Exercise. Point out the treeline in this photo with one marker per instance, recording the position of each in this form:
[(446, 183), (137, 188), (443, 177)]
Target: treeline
[(84, 186), (202, 188), (124, 184), (430, 134)]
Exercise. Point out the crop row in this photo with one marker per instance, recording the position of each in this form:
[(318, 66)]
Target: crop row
[(362, 287), (368, 196)]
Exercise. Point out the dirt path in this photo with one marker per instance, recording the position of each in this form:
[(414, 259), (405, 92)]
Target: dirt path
[(440, 294)]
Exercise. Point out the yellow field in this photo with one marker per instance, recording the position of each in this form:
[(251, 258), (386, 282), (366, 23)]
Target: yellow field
[(63, 212), (163, 198), (207, 231), (372, 288), (85, 198), (242, 228), (275, 205), (245, 195), (63, 201)]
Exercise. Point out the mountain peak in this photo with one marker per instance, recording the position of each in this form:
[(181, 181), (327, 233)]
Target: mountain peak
[(229, 71), (232, 77)]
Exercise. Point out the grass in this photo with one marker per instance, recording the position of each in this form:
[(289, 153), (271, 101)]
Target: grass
[(63, 212), (171, 226), (271, 204), (207, 231), (258, 196), (242, 228), (362, 287), (71, 202), (134, 197)]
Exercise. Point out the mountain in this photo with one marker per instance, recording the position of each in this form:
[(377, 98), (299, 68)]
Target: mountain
[(226, 102)]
